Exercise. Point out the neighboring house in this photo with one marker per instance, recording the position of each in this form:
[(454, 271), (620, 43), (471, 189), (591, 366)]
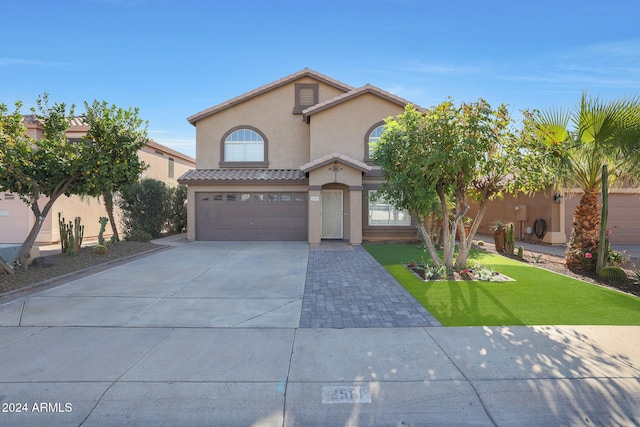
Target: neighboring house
[(290, 161), (555, 210), (17, 219)]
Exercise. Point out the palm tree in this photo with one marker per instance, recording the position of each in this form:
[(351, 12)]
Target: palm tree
[(599, 132)]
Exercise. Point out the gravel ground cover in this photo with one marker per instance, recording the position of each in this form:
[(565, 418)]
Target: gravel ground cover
[(557, 264)]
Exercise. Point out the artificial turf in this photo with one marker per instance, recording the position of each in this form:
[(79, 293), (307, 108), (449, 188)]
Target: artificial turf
[(535, 297)]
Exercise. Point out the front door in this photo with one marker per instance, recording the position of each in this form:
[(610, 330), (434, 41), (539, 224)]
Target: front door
[(332, 216)]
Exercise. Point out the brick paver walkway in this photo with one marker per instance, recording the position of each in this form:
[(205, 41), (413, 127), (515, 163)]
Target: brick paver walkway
[(347, 288)]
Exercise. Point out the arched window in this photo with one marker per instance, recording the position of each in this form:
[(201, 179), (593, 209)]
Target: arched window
[(244, 145), (373, 137)]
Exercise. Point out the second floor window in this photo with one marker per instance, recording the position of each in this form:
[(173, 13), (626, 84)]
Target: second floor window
[(244, 145), (374, 138)]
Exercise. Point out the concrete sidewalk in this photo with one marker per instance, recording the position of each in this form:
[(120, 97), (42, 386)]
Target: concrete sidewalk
[(183, 338), (299, 377), (632, 251)]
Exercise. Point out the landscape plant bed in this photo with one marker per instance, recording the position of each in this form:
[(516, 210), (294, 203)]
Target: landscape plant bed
[(477, 274)]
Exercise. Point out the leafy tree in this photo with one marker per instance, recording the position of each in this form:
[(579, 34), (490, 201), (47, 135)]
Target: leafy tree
[(42, 170), (145, 206), (117, 135), (592, 136), (458, 153)]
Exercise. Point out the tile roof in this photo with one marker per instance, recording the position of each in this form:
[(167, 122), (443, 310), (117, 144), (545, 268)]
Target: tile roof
[(205, 176), (300, 74), (74, 122), (157, 146), (329, 158), (354, 93)]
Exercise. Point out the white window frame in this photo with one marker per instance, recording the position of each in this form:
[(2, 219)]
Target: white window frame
[(244, 145), (379, 209)]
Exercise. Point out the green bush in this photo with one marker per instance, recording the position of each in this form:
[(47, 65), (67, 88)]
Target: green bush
[(177, 220), (612, 273), (100, 249), (145, 207), (138, 236)]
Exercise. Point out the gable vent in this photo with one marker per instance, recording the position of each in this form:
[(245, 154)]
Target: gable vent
[(307, 96)]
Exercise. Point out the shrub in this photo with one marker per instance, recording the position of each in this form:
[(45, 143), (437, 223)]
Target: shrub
[(145, 207), (612, 273), (616, 257), (138, 236), (100, 249), (635, 268)]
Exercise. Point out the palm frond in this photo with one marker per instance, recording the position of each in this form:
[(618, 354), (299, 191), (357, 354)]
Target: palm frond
[(552, 126)]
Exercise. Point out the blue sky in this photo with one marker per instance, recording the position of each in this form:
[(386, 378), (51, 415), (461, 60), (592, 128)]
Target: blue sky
[(174, 58)]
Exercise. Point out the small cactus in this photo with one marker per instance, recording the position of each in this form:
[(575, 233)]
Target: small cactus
[(520, 253), (612, 273), (78, 231), (510, 240), (64, 233), (103, 224), (71, 250)]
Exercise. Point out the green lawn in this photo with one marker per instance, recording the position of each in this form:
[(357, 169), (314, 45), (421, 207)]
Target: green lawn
[(536, 297)]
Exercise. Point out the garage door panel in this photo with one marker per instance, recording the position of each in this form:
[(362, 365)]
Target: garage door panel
[(251, 216)]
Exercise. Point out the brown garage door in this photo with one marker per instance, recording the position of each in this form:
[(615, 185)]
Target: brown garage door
[(251, 216)]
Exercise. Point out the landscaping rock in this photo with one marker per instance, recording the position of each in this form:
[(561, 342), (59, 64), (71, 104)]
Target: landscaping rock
[(43, 262)]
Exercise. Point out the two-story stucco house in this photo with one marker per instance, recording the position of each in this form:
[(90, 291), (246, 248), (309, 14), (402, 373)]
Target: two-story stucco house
[(290, 161)]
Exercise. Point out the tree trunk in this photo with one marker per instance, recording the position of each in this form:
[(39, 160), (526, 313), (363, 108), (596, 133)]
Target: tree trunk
[(603, 249), (448, 228), (582, 251), (430, 246), (108, 205), (4, 266), (463, 254), (24, 252)]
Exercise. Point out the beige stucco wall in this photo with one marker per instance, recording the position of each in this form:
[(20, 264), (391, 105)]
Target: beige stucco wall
[(159, 165), (344, 128), (624, 205), (541, 205), (272, 113), (89, 209), (16, 219)]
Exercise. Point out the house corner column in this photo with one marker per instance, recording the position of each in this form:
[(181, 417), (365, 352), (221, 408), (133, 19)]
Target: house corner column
[(355, 219), (315, 218), (191, 214), (556, 234)]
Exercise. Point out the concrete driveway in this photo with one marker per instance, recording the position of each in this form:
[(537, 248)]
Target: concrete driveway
[(208, 334), (201, 284)]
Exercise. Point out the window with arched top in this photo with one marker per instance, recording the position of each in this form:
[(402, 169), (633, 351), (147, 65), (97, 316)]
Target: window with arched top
[(373, 136), (244, 145)]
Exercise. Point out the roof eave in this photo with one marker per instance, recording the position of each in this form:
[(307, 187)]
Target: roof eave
[(263, 89)]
